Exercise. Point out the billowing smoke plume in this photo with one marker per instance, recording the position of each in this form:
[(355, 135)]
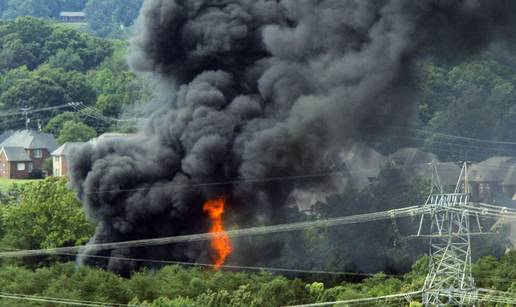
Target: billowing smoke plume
[(261, 89)]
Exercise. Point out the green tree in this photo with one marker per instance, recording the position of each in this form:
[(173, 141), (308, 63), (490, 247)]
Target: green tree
[(73, 5), (57, 122), (75, 132), (66, 59), (108, 17), (31, 42), (36, 8), (47, 215)]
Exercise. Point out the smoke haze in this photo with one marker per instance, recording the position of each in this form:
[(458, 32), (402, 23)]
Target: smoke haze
[(261, 89)]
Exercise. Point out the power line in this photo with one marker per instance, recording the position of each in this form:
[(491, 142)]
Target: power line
[(485, 165), (253, 231), (260, 179), (363, 300), (230, 266), (30, 111), (55, 300), (450, 136), (97, 114)]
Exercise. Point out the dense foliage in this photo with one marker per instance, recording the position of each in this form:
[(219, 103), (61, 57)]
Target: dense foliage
[(110, 18), (174, 286), (43, 214), (45, 64), (105, 18), (474, 99)]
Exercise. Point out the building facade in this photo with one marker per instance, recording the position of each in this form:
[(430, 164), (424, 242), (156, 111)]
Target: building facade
[(23, 151), (60, 158)]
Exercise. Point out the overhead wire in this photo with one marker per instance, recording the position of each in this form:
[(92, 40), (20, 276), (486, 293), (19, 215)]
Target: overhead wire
[(30, 111), (64, 301), (264, 268), (485, 165), (450, 136), (362, 300), (253, 231), (97, 114)]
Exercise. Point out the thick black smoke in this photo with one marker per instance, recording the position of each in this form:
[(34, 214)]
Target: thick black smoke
[(261, 89)]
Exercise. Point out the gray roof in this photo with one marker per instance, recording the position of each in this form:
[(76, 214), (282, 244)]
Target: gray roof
[(30, 139), (111, 136), (412, 157), (5, 135), (362, 162), (16, 154), (304, 200), (72, 14), (494, 169), (448, 172), (510, 177), (65, 149)]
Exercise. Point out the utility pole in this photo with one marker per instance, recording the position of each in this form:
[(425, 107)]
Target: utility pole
[(25, 111), (449, 280)]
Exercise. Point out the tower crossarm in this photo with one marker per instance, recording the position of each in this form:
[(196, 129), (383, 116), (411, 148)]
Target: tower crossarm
[(448, 200), (487, 210)]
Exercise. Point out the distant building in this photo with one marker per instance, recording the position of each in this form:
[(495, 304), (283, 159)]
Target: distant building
[(15, 163), (72, 17), (110, 136), (361, 163), (410, 160), (23, 151), (448, 172), (60, 158), (493, 178), (61, 155)]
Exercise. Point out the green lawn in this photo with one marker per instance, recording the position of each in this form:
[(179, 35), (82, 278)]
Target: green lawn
[(6, 183)]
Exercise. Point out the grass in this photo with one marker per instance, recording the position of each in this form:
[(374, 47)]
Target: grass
[(6, 183)]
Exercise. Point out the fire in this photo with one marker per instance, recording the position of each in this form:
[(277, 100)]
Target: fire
[(220, 243)]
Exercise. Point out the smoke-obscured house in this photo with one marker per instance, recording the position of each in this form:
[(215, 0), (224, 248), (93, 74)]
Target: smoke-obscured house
[(493, 178), (60, 158), (23, 151), (110, 136), (362, 164), (358, 166), (61, 155), (414, 162)]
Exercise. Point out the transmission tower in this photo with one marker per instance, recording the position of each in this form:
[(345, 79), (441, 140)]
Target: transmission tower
[(449, 280)]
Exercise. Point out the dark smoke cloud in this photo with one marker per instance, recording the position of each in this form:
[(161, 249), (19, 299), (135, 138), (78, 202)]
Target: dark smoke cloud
[(261, 89)]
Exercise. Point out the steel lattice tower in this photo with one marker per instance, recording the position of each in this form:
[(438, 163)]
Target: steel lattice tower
[(449, 280)]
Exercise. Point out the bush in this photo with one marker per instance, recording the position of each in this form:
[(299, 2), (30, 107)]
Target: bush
[(36, 174)]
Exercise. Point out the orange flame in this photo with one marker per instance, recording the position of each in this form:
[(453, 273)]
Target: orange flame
[(220, 243)]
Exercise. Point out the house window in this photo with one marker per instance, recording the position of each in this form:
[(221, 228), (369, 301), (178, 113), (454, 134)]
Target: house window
[(30, 167), (38, 153), (20, 166)]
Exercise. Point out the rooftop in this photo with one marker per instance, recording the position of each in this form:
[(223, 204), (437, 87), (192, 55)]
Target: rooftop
[(17, 154), (72, 14), (492, 169), (29, 139), (111, 136), (409, 157), (65, 149)]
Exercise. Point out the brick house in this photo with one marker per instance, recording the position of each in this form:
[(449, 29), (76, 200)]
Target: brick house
[(59, 158), (15, 163), (491, 178), (36, 145)]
